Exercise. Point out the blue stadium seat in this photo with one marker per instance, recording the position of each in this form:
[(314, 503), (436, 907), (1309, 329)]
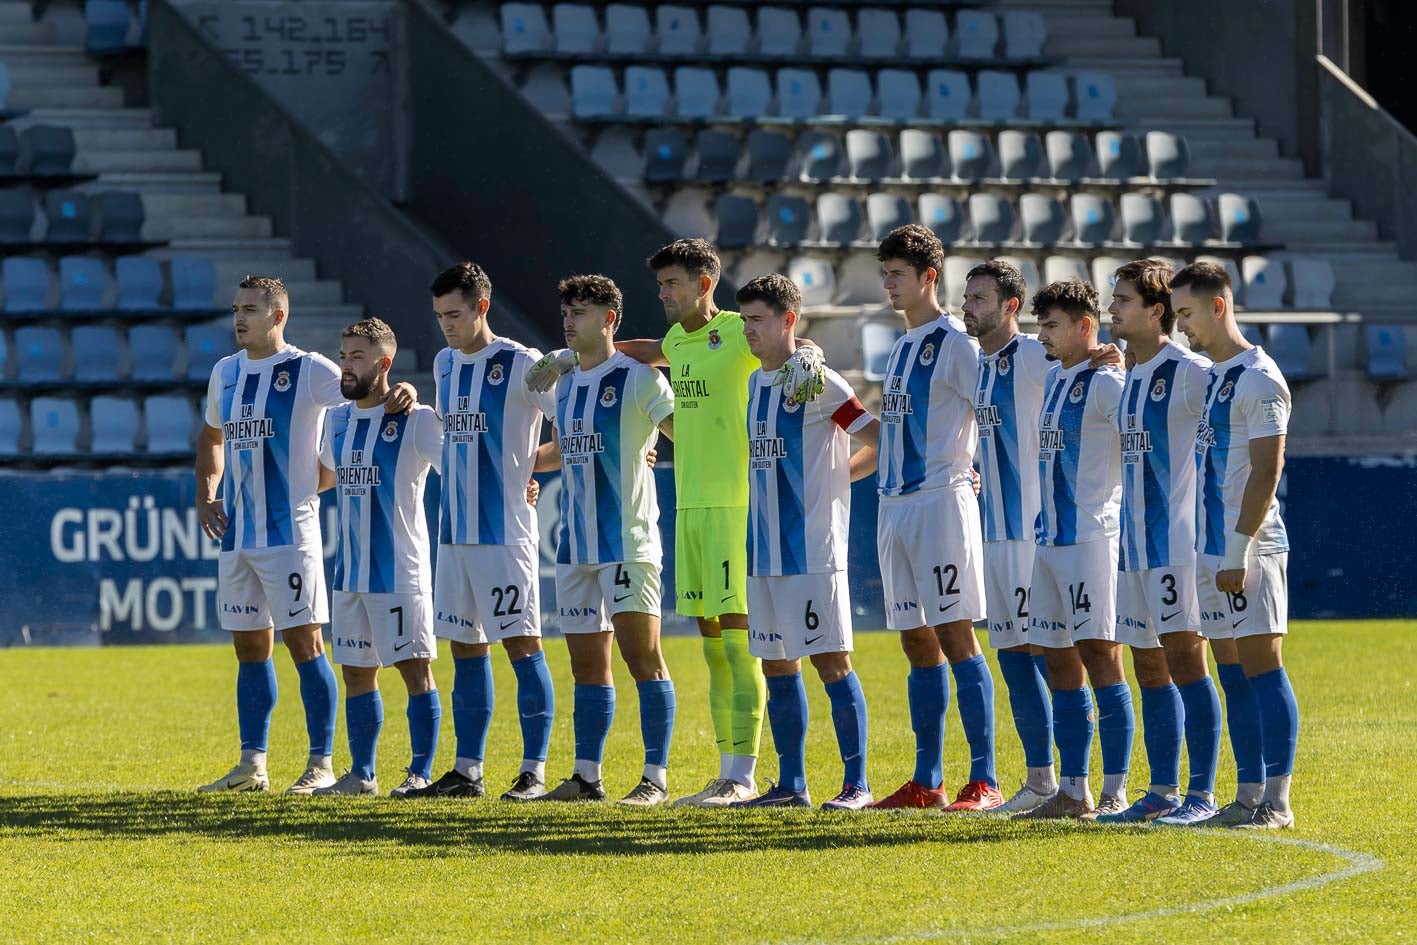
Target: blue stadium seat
[(54, 422), (737, 221), (68, 214), (17, 214), (868, 155), (83, 284), (687, 214), (1096, 96), (828, 32), (1025, 31), (947, 95), (695, 92), (9, 149), (1191, 219), (878, 33), (926, 33), (729, 31), (26, 283), (1043, 218), (877, 340), (976, 34), (574, 30), (1118, 155), (749, 92), (1313, 284), (885, 212), (1143, 219), (593, 92), (814, 277), (858, 280), (992, 218), (779, 32), (193, 284), (819, 156), (1066, 269), (4, 86), (971, 155), (1020, 155), (627, 29), (676, 30), (49, 150), (107, 22), (119, 216), (799, 94), (1239, 218), (839, 219), (1291, 347), (96, 349), (524, 29), (206, 345), (139, 284), (1265, 283), (170, 423), (666, 153), (1093, 218), (114, 422), (155, 350), (998, 97), (39, 354), (789, 220), (718, 154), (646, 91), (922, 155), (848, 93), (12, 426), (1387, 352), (898, 94), (944, 216), (1047, 94), (1069, 156), (1168, 156)]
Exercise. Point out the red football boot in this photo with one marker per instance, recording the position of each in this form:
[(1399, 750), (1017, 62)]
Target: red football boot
[(913, 795), (977, 796)]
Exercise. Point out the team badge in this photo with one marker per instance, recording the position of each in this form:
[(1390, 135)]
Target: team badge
[(1004, 366), (927, 354), (391, 431), (282, 381), (1226, 390), (715, 340), (495, 375), (791, 405), (1075, 395), (1158, 390), (607, 397)]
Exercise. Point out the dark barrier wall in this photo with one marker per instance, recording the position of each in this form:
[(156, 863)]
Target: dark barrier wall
[(118, 558)]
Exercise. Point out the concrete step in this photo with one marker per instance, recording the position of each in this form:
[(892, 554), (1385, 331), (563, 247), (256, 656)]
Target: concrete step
[(164, 182), (125, 139), (1085, 24), (293, 270), (28, 33), (1199, 128), (1099, 46), (1145, 114), (100, 117), (1277, 207), (1206, 148), (1141, 66), (1225, 169), (1061, 7), (13, 54), (193, 205), (163, 161), (29, 97), (212, 227), (1344, 252), (250, 249), (1374, 293), (1295, 232), (30, 72)]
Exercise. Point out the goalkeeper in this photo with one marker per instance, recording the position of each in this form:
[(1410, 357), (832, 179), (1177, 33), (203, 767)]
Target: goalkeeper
[(710, 364)]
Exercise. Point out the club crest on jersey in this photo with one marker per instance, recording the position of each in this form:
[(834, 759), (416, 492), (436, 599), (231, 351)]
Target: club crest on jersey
[(927, 354), (282, 381), (791, 405), (1004, 366), (607, 397), (495, 375), (715, 340), (1226, 390), (391, 431), (1075, 395), (1158, 390)]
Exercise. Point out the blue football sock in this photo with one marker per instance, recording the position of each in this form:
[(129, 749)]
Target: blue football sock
[(1279, 720), (591, 716), (1202, 710), (425, 717), (319, 690), (657, 705), (364, 718), (787, 714), (1072, 730), (928, 692), (472, 705), (1032, 710), (536, 704), (1116, 727), (1242, 717), (974, 692), (849, 720), (1161, 714), (255, 700)]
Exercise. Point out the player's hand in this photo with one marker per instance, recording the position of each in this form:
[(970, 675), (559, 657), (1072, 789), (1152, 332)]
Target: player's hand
[(974, 480), (1104, 355), (212, 517), (1230, 582), (804, 376), (544, 374), (533, 490), (650, 457), (401, 398)]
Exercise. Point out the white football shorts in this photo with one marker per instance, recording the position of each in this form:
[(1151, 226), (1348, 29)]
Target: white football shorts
[(1074, 594), (1008, 575), (382, 629), (797, 615), (588, 595), (281, 587), (486, 593), (1263, 606), (931, 548), (1154, 602)]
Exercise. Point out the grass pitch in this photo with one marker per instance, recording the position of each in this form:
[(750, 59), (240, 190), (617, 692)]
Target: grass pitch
[(101, 839)]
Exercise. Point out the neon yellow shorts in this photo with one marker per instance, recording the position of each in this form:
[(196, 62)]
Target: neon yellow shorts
[(711, 561)]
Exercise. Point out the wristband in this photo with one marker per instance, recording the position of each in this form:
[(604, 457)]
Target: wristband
[(1237, 552)]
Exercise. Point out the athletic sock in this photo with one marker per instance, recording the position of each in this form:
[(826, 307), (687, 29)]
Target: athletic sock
[(1072, 730), (750, 693), (1116, 729), (657, 705), (1279, 726), (536, 705), (787, 713), (742, 769), (319, 690), (1242, 718), (720, 690), (536, 767), (425, 717), (849, 719), (928, 692), (1202, 722), (591, 717), (1032, 711), (255, 701), (364, 718), (1161, 714), (974, 693), (472, 709)]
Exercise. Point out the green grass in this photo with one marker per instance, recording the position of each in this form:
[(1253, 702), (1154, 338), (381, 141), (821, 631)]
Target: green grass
[(101, 839)]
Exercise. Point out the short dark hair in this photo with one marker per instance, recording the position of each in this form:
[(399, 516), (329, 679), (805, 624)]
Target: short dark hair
[(1205, 278), (376, 331), (698, 257), (1152, 280), (775, 290), (1006, 276), (467, 278), (595, 289), (272, 288), (1075, 297), (917, 245)]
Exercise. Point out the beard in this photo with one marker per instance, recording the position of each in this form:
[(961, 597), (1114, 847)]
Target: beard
[(356, 388)]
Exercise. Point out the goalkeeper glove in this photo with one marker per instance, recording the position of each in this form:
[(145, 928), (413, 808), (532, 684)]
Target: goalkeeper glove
[(544, 374), (804, 376)]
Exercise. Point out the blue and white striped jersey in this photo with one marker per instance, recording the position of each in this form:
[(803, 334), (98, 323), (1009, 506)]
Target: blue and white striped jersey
[(799, 476), (607, 419), (928, 434), (491, 428), (1161, 409), (1246, 399), (381, 462), (1007, 403), (1079, 459), (269, 413)]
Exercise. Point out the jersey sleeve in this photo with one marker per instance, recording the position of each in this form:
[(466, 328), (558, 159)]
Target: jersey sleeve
[(1195, 376), (442, 364), (652, 394), (963, 375), (1264, 404), (1034, 358), (324, 381), (428, 437), (213, 409), (1107, 394), (545, 400), (839, 402), (521, 366), (327, 444)]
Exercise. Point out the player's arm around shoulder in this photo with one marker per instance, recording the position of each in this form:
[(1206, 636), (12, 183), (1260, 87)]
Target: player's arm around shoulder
[(427, 430), (648, 351), (1107, 389)]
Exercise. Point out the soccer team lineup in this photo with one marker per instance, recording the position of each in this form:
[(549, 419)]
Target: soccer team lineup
[(1093, 506)]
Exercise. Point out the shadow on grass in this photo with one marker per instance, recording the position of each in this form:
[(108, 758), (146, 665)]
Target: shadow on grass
[(482, 826)]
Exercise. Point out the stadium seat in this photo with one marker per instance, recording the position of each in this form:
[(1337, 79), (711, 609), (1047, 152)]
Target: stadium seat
[(106, 24), (17, 215), (788, 220), (922, 155), (39, 354), (696, 92), (1024, 34), (593, 92), (1065, 269), (666, 153), (1118, 155), (814, 277), (575, 31), (991, 217), (1096, 96), (998, 96), (1239, 218), (206, 345), (545, 87), (54, 422), (627, 30), (749, 92), (779, 32), (155, 350), (1191, 220), (944, 216), (755, 262), (9, 150), (170, 423), (947, 95), (1047, 94), (67, 212), (114, 422), (1313, 284), (956, 274), (799, 94), (897, 94), (96, 351), (1387, 352), (1143, 219), (868, 155), (83, 284), (828, 32), (877, 341), (1291, 349), (1069, 156), (1237, 284), (718, 154), (885, 212), (971, 155), (1093, 218), (1252, 333), (728, 31), (646, 91), (1043, 218), (819, 156), (737, 221), (48, 150), (139, 284), (926, 33), (26, 281), (858, 280), (839, 219), (976, 34), (848, 93), (769, 153), (1168, 157), (119, 216), (12, 427), (193, 283), (676, 30), (1104, 269), (879, 33), (524, 29), (1020, 155), (686, 213)]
